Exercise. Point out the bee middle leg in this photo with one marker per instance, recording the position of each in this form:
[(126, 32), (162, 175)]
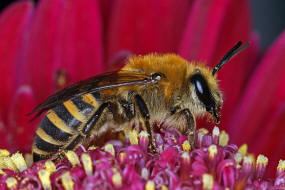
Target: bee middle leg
[(145, 114)]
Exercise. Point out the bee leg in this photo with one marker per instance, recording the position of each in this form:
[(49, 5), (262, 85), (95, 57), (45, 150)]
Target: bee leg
[(191, 126), (145, 114)]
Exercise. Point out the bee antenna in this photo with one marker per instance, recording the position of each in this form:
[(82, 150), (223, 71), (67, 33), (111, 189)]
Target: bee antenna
[(229, 55)]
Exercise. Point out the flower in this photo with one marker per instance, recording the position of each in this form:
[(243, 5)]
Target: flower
[(123, 165), (51, 44)]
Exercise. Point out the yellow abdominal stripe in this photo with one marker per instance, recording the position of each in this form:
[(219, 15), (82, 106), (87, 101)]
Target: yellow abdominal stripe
[(89, 99), (59, 123), (74, 111)]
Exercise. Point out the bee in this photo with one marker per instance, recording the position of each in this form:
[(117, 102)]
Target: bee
[(148, 89)]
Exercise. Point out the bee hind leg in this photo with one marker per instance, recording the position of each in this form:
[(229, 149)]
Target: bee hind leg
[(191, 126), (145, 114)]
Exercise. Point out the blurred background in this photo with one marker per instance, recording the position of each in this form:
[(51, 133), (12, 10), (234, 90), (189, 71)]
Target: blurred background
[(268, 18)]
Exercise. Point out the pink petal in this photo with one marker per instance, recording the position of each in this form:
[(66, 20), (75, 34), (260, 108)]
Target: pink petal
[(65, 35), (146, 26), (21, 128), (263, 96), (213, 27), (5, 136), (13, 23)]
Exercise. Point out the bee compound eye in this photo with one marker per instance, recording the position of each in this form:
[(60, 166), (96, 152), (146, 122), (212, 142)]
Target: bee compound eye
[(202, 91)]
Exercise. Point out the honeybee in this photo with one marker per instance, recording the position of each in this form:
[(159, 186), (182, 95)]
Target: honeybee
[(151, 88)]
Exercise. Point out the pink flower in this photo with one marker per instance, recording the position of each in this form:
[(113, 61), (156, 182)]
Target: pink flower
[(51, 44)]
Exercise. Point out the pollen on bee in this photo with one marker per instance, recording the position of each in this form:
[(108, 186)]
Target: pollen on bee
[(73, 158)]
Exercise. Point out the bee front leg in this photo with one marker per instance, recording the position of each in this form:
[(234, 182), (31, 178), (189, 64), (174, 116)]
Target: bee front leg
[(190, 122), (145, 115), (191, 125)]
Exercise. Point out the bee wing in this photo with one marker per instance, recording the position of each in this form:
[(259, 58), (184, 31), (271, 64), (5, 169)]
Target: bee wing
[(97, 83)]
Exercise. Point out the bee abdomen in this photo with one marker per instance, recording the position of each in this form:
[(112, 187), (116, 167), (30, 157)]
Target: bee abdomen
[(61, 123)]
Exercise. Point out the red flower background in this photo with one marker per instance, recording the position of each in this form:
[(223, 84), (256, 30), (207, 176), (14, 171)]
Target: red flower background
[(57, 42)]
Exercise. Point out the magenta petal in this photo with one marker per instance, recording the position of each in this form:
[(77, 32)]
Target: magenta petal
[(263, 96), (20, 127), (65, 35), (13, 23), (213, 27), (146, 26), (6, 137)]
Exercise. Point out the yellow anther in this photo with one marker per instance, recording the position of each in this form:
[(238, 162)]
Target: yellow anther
[(186, 146), (216, 131), (9, 164), (92, 147), (73, 158), (262, 160), (224, 138), (19, 161), (149, 185), (44, 176), (208, 181), (109, 148), (11, 182), (67, 181), (163, 187), (4, 153), (87, 163), (203, 131), (133, 136), (212, 151), (243, 150), (117, 180), (50, 166), (2, 173), (281, 166)]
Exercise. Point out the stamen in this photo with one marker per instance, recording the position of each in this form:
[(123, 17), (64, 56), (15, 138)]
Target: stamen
[(186, 146), (9, 164), (261, 164), (208, 181), (163, 187), (87, 163), (4, 153), (117, 180), (50, 167), (92, 147), (243, 150), (122, 157), (44, 176), (143, 139), (224, 138), (109, 148), (67, 181), (133, 137), (145, 173), (215, 135), (29, 159), (149, 185), (73, 158), (19, 161), (281, 167), (11, 183), (213, 151), (185, 160)]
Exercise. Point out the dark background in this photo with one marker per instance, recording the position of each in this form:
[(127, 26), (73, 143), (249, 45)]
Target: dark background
[(268, 18)]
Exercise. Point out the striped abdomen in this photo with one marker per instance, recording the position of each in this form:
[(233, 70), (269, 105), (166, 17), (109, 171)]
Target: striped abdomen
[(61, 124)]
